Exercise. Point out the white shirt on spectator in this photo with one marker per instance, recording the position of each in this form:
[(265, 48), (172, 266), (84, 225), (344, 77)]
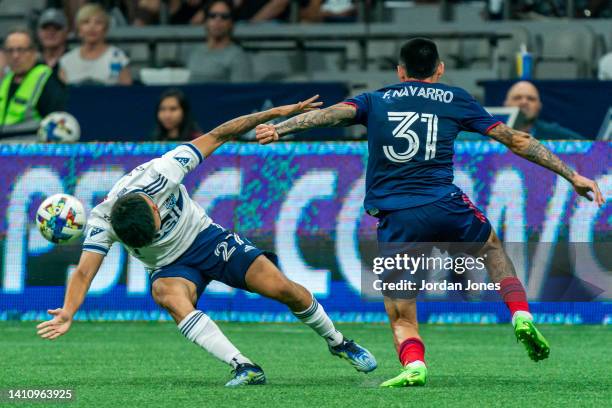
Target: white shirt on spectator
[(104, 70), (605, 67)]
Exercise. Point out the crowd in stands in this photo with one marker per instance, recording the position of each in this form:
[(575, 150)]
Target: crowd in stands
[(39, 76)]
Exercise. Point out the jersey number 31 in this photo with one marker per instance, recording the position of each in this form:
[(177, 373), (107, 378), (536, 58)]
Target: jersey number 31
[(407, 119)]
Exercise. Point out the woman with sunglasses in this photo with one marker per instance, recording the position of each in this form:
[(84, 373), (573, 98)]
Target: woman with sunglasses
[(220, 59)]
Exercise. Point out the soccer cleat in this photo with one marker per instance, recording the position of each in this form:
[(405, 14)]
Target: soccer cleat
[(410, 376), (359, 357), (535, 343), (247, 374)]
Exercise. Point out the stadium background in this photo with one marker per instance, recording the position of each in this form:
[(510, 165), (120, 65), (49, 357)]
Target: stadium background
[(303, 200)]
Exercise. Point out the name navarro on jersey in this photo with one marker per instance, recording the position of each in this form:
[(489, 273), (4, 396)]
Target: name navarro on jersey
[(434, 94)]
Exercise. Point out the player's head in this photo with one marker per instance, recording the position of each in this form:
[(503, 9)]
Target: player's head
[(419, 59), (526, 96), (135, 220), (219, 18)]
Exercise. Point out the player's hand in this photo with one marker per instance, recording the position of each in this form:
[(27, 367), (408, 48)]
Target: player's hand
[(305, 106), (588, 189), (60, 324), (266, 134)]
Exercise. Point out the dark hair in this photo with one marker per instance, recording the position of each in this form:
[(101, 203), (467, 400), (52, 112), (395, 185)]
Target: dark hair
[(133, 222), (209, 4), (23, 30), (188, 126), (420, 58)]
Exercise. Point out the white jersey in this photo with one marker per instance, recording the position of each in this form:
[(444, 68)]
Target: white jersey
[(182, 219)]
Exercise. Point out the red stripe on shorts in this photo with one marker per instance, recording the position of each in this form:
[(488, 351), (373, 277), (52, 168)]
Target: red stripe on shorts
[(471, 205)]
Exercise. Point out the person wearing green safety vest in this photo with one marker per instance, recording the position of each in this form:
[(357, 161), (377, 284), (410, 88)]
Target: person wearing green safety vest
[(28, 92)]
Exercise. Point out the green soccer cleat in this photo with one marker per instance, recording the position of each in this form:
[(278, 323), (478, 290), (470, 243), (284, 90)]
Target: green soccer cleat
[(410, 376), (535, 343), (247, 374)]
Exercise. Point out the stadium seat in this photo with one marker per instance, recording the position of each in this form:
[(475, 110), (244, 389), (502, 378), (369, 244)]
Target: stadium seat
[(13, 7), (274, 65), (358, 81), (468, 79), (409, 14), (565, 52), (164, 76)]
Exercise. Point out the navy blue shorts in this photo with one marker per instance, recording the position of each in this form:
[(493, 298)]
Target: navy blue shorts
[(452, 222), (452, 219), (216, 254)]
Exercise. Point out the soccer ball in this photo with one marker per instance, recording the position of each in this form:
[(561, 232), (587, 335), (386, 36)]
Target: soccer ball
[(61, 218), (59, 127)]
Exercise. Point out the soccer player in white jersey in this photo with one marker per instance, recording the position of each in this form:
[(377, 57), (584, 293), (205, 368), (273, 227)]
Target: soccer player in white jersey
[(150, 212)]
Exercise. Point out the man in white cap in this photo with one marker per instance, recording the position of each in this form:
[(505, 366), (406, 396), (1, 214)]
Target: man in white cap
[(52, 35)]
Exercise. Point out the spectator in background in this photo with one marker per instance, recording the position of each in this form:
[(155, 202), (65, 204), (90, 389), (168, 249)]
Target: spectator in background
[(525, 96), (94, 61), (148, 12), (3, 65), (604, 69), (333, 11), (186, 11), (52, 36), (29, 91), (256, 11), (220, 59), (174, 120)]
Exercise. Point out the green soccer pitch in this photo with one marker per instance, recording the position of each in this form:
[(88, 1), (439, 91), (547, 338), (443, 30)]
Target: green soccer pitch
[(151, 364)]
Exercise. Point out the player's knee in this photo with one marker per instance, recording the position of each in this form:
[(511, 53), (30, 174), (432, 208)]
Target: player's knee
[(163, 294), (494, 240), (493, 244), (405, 321)]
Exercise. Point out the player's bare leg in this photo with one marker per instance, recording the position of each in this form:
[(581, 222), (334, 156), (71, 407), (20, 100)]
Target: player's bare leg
[(410, 348), (264, 278), (179, 296), (501, 270)]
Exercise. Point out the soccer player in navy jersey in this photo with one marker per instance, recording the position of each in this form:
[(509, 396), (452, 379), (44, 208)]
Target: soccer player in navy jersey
[(412, 127)]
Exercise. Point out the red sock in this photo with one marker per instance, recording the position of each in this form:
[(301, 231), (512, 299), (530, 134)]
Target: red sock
[(513, 293), (411, 349)]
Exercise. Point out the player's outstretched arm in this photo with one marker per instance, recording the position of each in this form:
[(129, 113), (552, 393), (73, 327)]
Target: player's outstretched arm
[(86, 270), (528, 147), (341, 114), (209, 142)]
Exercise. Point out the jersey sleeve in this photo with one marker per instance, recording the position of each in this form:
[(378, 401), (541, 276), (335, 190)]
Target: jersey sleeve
[(475, 118), (98, 236), (362, 103), (175, 164)]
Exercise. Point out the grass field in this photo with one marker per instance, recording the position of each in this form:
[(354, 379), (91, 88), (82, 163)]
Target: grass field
[(150, 364)]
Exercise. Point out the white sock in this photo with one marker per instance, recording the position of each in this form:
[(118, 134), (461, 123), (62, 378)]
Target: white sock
[(316, 318), (200, 329), (416, 363), (521, 313)]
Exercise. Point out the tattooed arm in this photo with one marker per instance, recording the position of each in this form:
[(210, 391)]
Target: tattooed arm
[(526, 146), (338, 115), (209, 142)]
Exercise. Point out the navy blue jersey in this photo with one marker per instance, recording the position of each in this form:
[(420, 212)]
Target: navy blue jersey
[(412, 128)]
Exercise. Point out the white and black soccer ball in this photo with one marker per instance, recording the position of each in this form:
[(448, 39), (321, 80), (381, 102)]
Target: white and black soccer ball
[(59, 127), (61, 218)]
